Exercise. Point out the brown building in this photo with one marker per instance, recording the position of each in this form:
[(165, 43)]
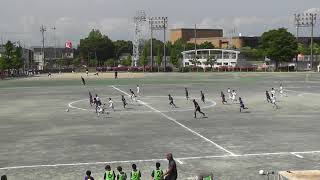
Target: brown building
[(187, 34), (225, 42)]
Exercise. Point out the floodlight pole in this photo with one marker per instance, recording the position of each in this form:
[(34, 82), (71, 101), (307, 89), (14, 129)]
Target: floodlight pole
[(42, 30)]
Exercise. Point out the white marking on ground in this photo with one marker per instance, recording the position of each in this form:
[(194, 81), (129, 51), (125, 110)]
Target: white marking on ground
[(297, 155), (175, 121), (179, 161), (154, 160)]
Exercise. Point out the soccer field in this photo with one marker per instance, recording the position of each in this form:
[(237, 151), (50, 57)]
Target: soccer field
[(41, 140)]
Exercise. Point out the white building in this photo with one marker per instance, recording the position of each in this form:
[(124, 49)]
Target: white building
[(223, 57)]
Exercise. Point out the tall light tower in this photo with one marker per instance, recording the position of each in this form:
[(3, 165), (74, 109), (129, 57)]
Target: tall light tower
[(42, 30), (139, 20), (159, 24), (55, 41), (306, 20)]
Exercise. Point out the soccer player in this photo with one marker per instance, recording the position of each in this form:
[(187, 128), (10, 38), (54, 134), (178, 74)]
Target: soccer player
[(268, 97), (111, 104), (49, 74), (132, 96), (234, 96), (273, 101), (96, 74), (223, 97), (109, 174), (88, 176), (116, 74), (98, 100), (87, 72), (202, 97), (90, 99), (242, 106), (138, 90), (197, 109), (124, 102), (135, 173), (122, 175), (83, 81), (100, 109), (281, 91), (229, 93), (187, 93), (171, 103), (157, 174), (273, 92)]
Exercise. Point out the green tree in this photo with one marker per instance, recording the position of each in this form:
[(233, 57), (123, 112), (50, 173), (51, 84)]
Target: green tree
[(17, 60), (206, 45), (159, 59), (8, 55), (60, 63), (279, 45), (93, 62), (127, 61), (144, 58), (122, 47), (96, 46), (76, 62), (110, 62), (210, 61), (174, 58)]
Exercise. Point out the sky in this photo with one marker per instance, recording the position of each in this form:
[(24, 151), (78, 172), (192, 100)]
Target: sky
[(73, 19)]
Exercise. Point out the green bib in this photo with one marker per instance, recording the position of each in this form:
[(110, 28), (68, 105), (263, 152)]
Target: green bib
[(109, 175), (207, 178), (158, 174), (135, 175), (122, 176)]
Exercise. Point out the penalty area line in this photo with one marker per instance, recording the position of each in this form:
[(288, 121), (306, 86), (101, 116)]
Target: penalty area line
[(175, 121)]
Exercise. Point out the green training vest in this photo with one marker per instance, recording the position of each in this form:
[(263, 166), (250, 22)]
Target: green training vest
[(158, 174), (135, 175), (207, 178), (122, 176), (109, 175)]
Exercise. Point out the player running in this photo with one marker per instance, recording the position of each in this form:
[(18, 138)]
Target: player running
[(111, 104), (171, 103), (273, 92), (138, 90), (268, 97), (223, 98), (90, 98), (187, 93), (242, 106), (281, 91), (202, 97), (229, 93), (197, 109), (234, 96), (132, 96), (83, 81), (273, 101), (124, 102)]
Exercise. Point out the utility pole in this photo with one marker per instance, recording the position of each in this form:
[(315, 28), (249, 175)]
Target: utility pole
[(306, 20), (42, 30), (55, 42), (195, 42), (151, 42)]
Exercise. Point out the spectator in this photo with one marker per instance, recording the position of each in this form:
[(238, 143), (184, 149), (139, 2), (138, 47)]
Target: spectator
[(109, 174), (88, 176), (171, 173), (135, 174), (122, 175), (3, 177)]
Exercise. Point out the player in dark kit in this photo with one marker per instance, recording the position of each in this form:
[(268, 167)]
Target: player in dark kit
[(223, 97), (132, 96), (124, 102), (197, 109), (202, 97), (242, 104), (171, 103), (83, 81), (90, 98), (268, 97), (187, 93)]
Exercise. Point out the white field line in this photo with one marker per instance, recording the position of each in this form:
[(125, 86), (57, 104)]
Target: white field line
[(179, 161), (175, 121), (154, 160), (302, 92), (297, 155)]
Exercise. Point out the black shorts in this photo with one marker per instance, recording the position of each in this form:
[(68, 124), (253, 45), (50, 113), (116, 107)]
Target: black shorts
[(198, 109)]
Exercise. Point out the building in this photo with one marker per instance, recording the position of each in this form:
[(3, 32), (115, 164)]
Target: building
[(222, 57), (51, 56), (228, 42), (187, 34)]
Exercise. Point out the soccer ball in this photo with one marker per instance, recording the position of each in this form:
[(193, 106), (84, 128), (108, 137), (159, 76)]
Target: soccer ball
[(67, 110), (261, 172)]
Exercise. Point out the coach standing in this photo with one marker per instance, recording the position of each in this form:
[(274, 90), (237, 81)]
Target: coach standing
[(171, 173)]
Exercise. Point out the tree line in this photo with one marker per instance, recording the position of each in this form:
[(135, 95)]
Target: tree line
[(11, 59)]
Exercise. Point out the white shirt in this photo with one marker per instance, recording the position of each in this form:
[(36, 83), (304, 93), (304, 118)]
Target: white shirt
[(273, 92), (138, 89), (110, 103)]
